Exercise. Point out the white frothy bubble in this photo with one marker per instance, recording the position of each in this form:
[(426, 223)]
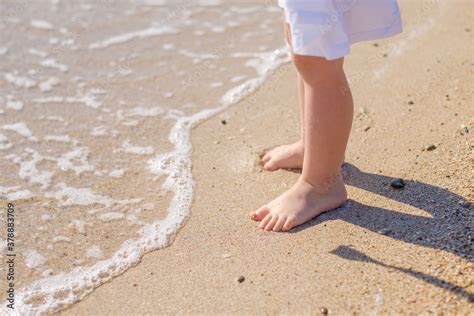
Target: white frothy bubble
[(169, 46), (79, 226), (19, 128), (19, 195), (28, 169), (61, 139), (53, 63), (3, 245), (66, 196), (89, 98), (75, 160), (14, 104), (216, 84), (199, 32), (111, 216), (174, 114), (59, 239), (218, 29), (148, 206), (5, 143), (237, 79), (137, 150), (52, 99), (46, 217), (99, 131), (209, 3), (53, 40), (117, 173), (94, 252), (52, 118), (123, 38), (41, 24), (19, 81), (36, 52), (5, 190), (33, 259), (48, 85), (141, 111), (155, 2)]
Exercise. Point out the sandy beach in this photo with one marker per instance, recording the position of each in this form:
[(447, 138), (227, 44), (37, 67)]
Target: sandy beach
[(386, 251), (130, 140)]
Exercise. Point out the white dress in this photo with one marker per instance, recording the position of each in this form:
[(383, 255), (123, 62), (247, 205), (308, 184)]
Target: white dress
[(327, 28)]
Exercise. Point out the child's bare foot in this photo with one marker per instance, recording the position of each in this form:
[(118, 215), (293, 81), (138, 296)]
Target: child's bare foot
[(288, 156), (300, 204), (285, 156)]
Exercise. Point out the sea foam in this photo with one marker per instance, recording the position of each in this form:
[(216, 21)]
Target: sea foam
[(119, 110)]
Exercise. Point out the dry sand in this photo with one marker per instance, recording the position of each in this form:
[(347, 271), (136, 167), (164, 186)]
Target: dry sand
[(386, 251)]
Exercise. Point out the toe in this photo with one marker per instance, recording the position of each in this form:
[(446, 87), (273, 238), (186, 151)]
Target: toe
[(289, 224), (279, 225), (259, 214), (253, 215), (270, 166), (272, 223), (265, 221), (266, 157)]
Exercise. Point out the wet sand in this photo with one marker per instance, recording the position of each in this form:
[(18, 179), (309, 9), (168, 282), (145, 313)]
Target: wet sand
[(386, 251)]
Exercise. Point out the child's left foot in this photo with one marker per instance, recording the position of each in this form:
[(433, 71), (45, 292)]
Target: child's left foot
[(285, 156), (300, 204)]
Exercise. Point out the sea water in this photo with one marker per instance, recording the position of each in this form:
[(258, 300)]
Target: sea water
[(98, 100)]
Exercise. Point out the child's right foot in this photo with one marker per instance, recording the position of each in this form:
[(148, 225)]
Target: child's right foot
[(301, 203), (286, 156)]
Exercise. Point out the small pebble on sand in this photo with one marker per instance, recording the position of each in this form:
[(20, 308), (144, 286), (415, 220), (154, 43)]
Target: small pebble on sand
[(241, 279), (430, 147), (464, 130), (411, 102), (223, 122), (384, 231), (324, 310), (397, 183)]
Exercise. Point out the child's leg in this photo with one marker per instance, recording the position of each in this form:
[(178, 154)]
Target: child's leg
[(290, 155), (328, 119), (327, 124), (301, 96)]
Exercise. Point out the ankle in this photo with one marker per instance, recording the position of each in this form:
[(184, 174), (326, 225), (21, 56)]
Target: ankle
[(325, 184)]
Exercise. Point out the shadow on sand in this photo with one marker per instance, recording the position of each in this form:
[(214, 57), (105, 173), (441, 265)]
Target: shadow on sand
[(349, 253), (446, 226)]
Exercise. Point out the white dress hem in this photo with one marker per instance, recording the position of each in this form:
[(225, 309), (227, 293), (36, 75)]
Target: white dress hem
[(313, 33)]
